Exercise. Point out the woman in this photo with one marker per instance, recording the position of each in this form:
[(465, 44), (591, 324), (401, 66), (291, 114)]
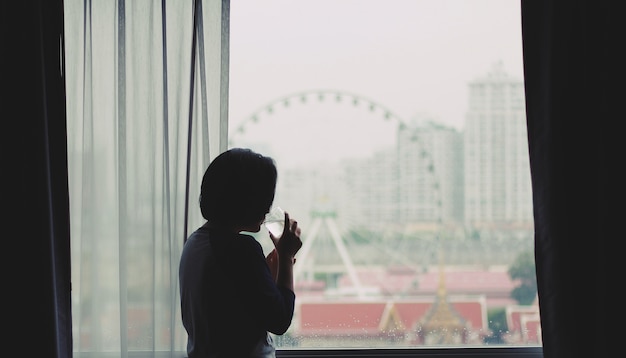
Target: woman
[(232, 296)]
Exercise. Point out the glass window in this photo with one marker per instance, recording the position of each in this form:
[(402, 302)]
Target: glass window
[(399, 132), (399, 152)]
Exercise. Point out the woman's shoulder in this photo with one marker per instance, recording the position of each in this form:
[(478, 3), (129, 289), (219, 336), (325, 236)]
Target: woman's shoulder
[(223, 240), (248, 241)]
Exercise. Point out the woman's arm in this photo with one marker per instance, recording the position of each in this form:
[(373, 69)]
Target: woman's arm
[(286, 248), (272, 262)]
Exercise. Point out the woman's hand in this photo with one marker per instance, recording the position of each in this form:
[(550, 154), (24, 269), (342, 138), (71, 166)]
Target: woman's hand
[(286, 247), (289, 242)]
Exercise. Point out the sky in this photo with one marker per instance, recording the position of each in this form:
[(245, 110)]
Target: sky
[(413, 57)]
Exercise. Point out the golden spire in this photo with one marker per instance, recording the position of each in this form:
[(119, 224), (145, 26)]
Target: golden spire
[(442, 324)]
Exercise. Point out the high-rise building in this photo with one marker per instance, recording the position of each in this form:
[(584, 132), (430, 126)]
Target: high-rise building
[(412, 187), (497, 185), (430, 174)]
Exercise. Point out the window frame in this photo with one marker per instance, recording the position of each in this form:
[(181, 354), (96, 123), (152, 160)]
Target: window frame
[(508, 351), (444, 352)]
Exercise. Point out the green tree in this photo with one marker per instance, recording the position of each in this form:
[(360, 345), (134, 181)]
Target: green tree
[(523, 271), (497, 326)]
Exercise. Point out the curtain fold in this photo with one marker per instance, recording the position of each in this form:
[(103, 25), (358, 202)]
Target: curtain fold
[(574, 78), (34, 170), (139, 127)]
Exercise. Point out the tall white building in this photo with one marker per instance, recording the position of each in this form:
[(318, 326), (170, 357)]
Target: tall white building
[(430, 175), (412, 187), (497, 171)]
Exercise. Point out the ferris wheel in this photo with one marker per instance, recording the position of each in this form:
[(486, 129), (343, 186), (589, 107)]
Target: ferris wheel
[(324, 227)]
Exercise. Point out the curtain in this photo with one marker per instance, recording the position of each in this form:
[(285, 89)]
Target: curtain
[(574, 76), (35, 222), (146, 112)]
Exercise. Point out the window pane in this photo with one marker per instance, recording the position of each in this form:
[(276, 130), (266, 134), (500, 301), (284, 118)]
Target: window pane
[(400, 135)]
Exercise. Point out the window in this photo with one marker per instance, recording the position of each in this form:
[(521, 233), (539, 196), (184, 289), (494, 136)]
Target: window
[(391, 152), (379, 115)]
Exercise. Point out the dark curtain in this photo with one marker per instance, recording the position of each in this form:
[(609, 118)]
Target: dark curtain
[(574, 75), (36, 291)]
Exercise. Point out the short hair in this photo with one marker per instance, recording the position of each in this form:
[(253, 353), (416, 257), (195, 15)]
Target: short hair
[(238, 187)]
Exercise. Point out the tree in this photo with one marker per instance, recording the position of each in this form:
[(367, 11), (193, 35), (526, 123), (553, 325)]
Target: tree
[(523, 271), (497, 326)]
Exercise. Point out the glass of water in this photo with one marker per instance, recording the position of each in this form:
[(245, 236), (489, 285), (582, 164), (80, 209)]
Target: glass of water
[(275, 221)]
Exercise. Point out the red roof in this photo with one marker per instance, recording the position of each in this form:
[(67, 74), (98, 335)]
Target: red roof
[(467, 281), (340, 318), (524, 324), (373, 317), (495, 284)]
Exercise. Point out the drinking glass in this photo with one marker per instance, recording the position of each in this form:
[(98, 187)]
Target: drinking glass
[(275, 221)]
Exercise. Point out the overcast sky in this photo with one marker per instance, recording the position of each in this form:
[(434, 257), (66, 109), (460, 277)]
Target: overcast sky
[(414, 57)]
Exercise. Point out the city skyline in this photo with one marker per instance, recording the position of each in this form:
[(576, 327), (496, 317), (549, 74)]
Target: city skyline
[(415, 58), (478, 177)]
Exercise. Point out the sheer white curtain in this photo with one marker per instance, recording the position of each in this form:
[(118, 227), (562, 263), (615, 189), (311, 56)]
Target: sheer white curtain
[(143, 123)]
